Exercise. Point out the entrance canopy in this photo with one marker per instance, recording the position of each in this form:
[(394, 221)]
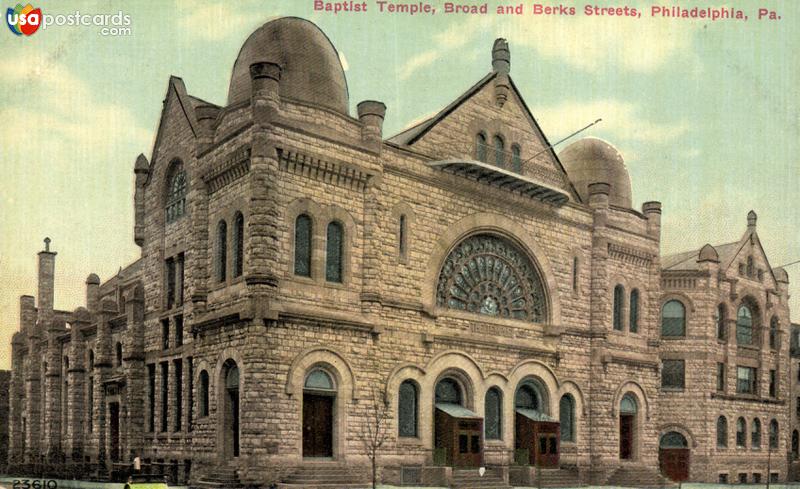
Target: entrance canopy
[(456, 411), (503, 179)]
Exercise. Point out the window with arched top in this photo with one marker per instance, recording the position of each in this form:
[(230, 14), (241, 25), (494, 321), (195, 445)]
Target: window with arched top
[(722, 432), (238, 244), (673, 439), (516, 158), (566, 416), (302, 245), (480, 147), (673, 319), (448, 392), (633, 312), (493, 414), (575, 273), (221, 257), (334, 255), (773, 333), (773, 434), (320, 380), (402, 236), (499, 151), (741, 432), (619, 297), (720, 319), (408, 409), (204, 390), (744, 326), (175, 204), (528, 396), (628, 404), (755, 434)]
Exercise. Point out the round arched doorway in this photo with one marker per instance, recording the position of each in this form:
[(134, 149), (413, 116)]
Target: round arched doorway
[(673, 456), (230, 411), (627, 426), (319, 396), (458, 432), (536, 434)]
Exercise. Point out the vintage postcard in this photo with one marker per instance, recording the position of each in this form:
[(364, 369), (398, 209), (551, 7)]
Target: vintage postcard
[(307, 244)]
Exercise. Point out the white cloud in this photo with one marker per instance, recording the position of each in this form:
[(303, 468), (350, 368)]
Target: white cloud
[(623, 120), (212, 21), (447, 41)]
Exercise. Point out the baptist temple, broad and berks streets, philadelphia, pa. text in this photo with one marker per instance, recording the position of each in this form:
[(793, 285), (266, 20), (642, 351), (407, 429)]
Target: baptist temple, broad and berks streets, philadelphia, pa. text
[(507, 307)]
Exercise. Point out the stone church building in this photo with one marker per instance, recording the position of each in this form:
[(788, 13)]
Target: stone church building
[(306, 283)]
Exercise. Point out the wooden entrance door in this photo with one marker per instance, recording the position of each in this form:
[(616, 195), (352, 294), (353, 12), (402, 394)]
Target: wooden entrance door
[(469, 452), (626, 423), (233, 397), (113, 414), (674, 463), (317, 425)]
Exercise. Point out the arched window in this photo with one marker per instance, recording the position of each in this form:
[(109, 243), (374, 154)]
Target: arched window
[(334, 252), (176, 192), (619, 297), (773, 434), (741, 433), (480, 147), (673, 319), (720, 320), (673, 439), (722, 432), (407, 409), (302, 245), (204, 389), (755, 434), (744, 326), (493, 417), (773, 333), (402, 233), (566, 415), (448, 392), (528, 397), (222, 250), (319, 380), (633, 312), (499, 151), (628, 404), (238, 243), (118, 354), (516, 159)]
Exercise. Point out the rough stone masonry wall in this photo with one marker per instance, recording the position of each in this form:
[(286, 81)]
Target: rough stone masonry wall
[(5, 421)]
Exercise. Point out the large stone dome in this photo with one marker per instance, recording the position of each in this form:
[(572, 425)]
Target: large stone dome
[(312, 71), (591, 160)]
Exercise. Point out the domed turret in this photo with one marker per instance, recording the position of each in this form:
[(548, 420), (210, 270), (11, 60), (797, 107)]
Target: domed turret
[(592, 160), (311, 70), (708, 253)]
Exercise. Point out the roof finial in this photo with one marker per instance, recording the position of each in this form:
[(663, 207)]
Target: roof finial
[(501, 56), (47, 244), (751, 220)]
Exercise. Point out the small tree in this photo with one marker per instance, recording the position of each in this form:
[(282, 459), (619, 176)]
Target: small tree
[(375, 429)]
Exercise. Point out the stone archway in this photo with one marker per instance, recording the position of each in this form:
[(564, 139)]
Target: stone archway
[(674, 456)]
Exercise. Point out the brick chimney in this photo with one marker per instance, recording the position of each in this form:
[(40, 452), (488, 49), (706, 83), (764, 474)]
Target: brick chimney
[(47, 266)]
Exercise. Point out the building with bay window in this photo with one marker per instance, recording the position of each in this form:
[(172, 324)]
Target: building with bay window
[(506, 306)]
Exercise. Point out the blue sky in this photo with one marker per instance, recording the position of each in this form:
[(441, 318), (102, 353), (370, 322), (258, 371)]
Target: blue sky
[(704, 113)]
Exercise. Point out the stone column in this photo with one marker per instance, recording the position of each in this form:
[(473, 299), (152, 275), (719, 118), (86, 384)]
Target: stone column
[(76, 387)]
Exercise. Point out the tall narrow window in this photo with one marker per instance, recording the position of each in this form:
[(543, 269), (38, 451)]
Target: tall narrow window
[(773, 434), (755, 434), (179, 330), (480, 147), (90, 404), (744, 326), (633, 321), (151, 397), (720, 376), (575, 274), (746, 380), (773, 383), (750, 266), (516, 159), (401, 236), (494, 414), (499, 151), (178, 367), (619, 294), (203, 393), (741, 432), (164, 396), (170, 272), (165, 334), (222, 250), (118, 354), (190, 394), (722, 432), (408, 409), (179, 279), (720, 319), (334, 252), (773, 333), (302, 245), (566, 411), (673, 319), (176, 192), (238, 243)]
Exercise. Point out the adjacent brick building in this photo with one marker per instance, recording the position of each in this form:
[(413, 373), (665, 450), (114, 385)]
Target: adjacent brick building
[(299, 271)]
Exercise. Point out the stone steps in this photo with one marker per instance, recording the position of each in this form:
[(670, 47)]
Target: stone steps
[(218, 478), (638, 476), (471, 479), (327, 476), (559, 478)]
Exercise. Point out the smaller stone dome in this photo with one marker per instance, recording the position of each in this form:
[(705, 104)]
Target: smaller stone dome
[(93, 279), (592, 160), (708, 253)]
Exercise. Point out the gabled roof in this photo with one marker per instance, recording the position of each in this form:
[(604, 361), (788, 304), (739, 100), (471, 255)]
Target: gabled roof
[(687, 260)]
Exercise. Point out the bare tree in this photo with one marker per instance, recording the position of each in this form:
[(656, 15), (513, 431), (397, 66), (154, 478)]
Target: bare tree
[(375, 429)]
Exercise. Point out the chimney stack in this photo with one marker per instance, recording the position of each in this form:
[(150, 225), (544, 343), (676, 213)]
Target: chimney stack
[(652, 211), (47, 265), (371, 114), (265, 77), (92, 292)]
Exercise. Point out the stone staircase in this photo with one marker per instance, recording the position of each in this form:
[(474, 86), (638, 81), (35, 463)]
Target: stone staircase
[(218, 478), (471, 479), (327, 476), (638, 476), (563, 477)]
